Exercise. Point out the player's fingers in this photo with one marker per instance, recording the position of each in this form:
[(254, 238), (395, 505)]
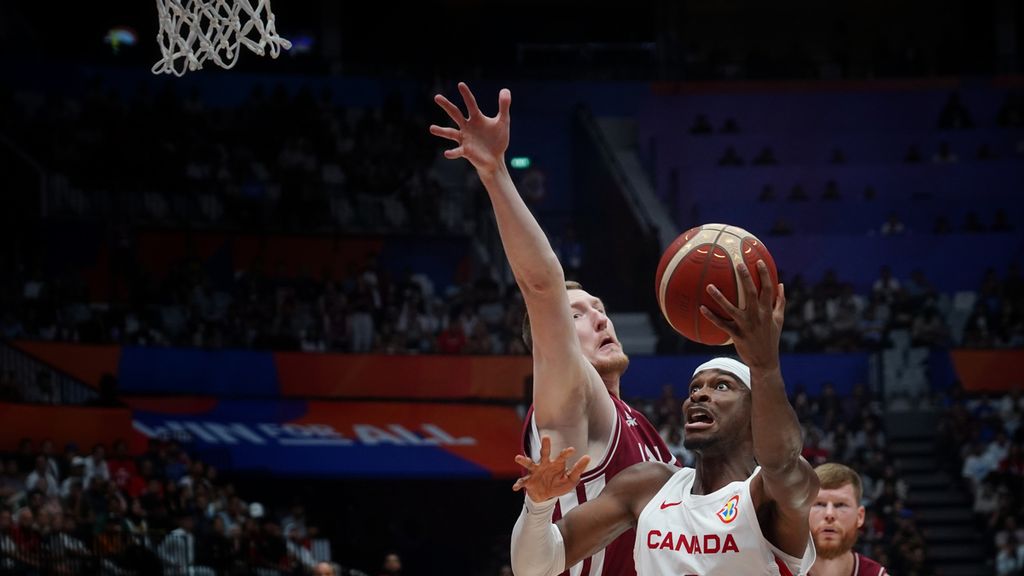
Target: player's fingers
[(467, 96), (780, 303), (520, 484), (766, 283), (444, 132), (504, 102), (525, 462), (545, 448), (453, 111), (578, 468), (453, 153), (720, 323), (563, 456), (747, 284), (722, 301)]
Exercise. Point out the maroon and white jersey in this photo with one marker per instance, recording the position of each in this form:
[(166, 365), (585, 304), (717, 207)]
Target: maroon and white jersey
[(687, 534), (633, 440), (864, 566)]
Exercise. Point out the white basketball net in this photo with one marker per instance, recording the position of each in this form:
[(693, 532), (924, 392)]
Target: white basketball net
[(194, 31)]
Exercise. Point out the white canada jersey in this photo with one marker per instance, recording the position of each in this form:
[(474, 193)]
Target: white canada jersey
[(683, 534)]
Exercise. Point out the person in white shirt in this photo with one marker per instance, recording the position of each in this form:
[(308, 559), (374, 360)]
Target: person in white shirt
[(178, 551), (742, 510), (42, 479), (96, 466)]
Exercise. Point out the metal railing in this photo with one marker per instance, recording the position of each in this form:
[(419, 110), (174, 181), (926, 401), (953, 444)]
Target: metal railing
[(36, 382)]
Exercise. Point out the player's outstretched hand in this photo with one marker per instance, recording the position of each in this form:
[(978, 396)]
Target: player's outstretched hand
[(480, 139), (549, 478), (755, 329)]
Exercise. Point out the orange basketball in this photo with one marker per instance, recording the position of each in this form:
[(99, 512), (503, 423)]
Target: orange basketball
[(705, 255)]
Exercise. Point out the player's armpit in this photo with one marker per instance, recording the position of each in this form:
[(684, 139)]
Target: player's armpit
[(591, 526)]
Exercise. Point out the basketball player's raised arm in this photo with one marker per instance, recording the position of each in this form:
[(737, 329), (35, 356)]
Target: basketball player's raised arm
[(540, 548), (789, 481), (565, 384)]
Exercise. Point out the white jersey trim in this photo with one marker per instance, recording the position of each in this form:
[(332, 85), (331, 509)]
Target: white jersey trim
[(796, 565)]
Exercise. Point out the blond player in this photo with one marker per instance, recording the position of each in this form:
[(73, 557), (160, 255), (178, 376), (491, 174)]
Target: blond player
[(836, 518), (577, 359)]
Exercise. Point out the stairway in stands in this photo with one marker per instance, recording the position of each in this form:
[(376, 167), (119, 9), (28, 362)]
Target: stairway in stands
[(942, 508)]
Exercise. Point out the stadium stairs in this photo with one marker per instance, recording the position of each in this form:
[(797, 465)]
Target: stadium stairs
[(941, 506)]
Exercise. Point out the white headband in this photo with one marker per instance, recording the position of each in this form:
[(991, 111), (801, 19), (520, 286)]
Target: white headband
[(734, 367)]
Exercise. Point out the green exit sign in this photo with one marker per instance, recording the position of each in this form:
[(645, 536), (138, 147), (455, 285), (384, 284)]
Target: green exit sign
[(520, 162)]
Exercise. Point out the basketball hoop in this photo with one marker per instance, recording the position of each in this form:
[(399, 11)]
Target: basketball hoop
[(194, 31)]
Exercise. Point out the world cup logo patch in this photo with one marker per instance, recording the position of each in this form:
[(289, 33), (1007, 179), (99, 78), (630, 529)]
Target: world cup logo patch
[(731, 509)]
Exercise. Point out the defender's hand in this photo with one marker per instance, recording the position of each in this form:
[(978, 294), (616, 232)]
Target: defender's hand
[(549, 478)]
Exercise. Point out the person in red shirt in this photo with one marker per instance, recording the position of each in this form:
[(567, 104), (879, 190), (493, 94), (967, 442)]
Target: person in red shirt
[(123, 472), (836, 517)]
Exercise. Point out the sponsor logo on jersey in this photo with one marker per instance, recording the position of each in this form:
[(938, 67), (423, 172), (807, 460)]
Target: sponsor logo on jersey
[(665, 504), (693, 543), (731, 510)]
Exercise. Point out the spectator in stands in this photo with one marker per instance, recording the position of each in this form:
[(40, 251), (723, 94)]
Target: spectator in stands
[(1001, 222), (892, 226), (96, 466), (837, 157), (954, 115), (929, 329), (912, 156), (831, 191), (324, 569), (178, 551), (944, 155), (1011, 112), (797, 193), (123, 472), (298, 549), (730, 157), (295, 521), (25, 456), (392, 565), (985, 152), (942, 226), (10, 391), (919, 290), (886, 286), (730, 126), (766, 157), (976, 466), (42, 478), (701, 125), (1006, 560), (767, 193), (674, 441), (780, 228), (972, 223)]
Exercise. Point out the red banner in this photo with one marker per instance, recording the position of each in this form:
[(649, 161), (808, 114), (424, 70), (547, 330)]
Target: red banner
[(989, 370), (378, 376), (63, 424), (84, 362)]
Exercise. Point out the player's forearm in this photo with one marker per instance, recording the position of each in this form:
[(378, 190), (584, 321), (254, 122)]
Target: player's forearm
[(537, 547), (777, 436), (529, 252)]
